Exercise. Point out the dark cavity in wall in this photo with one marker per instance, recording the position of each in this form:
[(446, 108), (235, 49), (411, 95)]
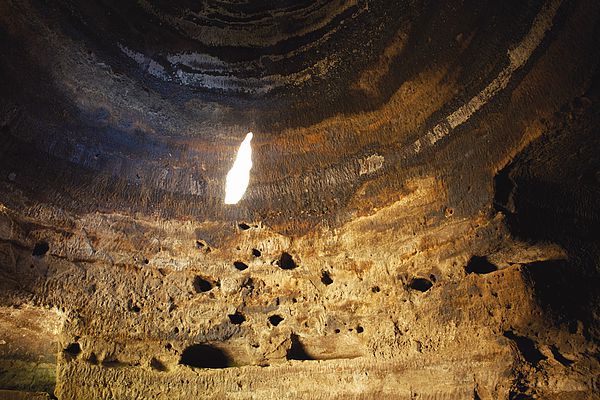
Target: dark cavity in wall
[(204, 356), (275, 319), (480, 265), (526, 347), (562, 289), (236, 318), (202, 285), (40, 249), (420, 284), (326, 278), (504, 188), (297, 350), (286, 261), (133, 307), (72, 350), (559, 357), (240, 266)]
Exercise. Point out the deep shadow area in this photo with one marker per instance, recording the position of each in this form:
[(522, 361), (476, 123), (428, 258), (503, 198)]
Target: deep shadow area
[(526, 347), (72, 351), (297, 350), (480, 265), (40, 249), (550, 193), (560, 289), (205, 356)]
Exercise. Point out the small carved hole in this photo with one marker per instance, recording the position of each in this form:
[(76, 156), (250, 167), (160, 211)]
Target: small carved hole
[(240, 266), (420, 284), (236, 318), (72, 350), (40, 249), (286, 261), (202, 285), (326, 278), (275, 319)]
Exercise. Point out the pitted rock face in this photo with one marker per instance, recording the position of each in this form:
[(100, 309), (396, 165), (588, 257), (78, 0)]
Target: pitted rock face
[(420, 218)]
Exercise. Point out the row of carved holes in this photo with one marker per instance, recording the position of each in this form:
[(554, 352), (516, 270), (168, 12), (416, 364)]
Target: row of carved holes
[(286, 261), (237, 318)]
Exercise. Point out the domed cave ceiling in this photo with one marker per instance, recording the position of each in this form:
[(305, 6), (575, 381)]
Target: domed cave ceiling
[(421, 219)]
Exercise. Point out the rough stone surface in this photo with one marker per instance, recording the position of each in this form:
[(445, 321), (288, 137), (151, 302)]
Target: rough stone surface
[(421, 222)]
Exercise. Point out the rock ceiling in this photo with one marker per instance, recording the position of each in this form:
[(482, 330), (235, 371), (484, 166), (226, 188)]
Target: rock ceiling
[(421, 219)]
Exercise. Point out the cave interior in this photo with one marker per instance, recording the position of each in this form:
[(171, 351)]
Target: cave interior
[(300, 199)]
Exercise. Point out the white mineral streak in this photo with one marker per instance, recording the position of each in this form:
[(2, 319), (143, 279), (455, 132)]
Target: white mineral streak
[(517, 56), (370, 164)]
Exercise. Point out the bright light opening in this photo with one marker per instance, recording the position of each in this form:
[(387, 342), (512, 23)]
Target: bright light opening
[(239, 175)]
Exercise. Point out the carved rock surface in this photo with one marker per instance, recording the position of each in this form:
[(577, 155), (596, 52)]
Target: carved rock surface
[(421, 220)]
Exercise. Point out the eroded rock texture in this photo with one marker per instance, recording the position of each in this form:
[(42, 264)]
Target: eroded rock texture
[(421, 222)]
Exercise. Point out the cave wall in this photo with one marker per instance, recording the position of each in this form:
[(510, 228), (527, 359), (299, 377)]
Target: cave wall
[(421, 220)]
